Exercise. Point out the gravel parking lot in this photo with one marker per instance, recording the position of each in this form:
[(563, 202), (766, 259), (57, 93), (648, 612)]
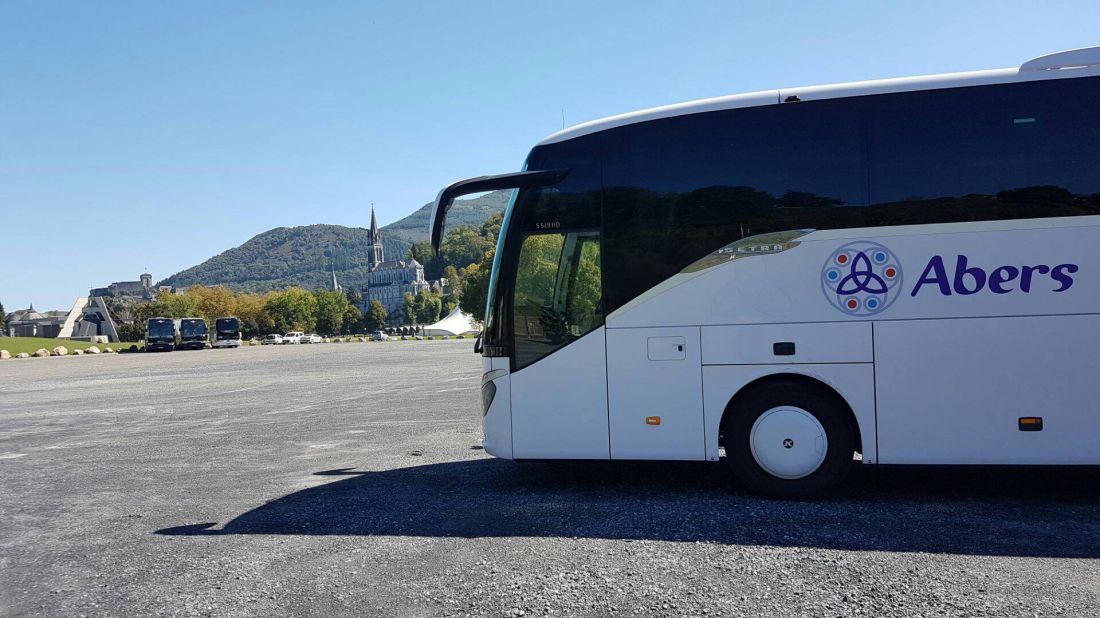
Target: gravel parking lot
[(348, 479)]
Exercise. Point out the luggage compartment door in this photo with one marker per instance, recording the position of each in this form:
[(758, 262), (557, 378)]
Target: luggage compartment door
[(655, 393), (955, 391)]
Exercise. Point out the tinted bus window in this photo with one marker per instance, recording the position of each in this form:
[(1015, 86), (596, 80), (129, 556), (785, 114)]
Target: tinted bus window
[(557, 292), (680, 188), (550, 281), (574, 203), (1013, 151)]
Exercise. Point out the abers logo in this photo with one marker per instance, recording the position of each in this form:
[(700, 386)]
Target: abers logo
[(861, 278), (967, 279)]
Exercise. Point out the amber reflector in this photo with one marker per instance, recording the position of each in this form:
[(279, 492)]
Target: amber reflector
[(1031, 423)]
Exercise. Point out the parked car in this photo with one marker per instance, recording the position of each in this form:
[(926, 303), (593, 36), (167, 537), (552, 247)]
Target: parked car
[(310, 338), (379, 336), (274, 339), (293, 337)]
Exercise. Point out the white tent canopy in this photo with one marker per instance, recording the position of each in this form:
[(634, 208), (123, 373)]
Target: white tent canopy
[(456, 323)]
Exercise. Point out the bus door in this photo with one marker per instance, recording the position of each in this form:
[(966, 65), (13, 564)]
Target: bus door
[(559, 365)]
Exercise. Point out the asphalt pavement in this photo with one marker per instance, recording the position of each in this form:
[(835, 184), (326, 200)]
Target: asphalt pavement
[(348, 479)]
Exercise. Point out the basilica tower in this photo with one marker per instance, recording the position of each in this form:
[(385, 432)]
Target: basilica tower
[(377, 255)]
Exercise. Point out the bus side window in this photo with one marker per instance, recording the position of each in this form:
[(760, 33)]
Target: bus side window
[(557, 292)]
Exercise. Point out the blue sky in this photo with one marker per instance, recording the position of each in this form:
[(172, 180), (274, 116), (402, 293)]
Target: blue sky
[(137, 135)]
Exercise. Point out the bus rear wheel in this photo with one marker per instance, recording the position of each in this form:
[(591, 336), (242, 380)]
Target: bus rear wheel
[(789, 440)]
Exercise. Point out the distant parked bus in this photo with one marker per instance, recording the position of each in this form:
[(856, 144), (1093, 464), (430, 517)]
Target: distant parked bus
[(160, 335), (193, 333), (904, 269), (227, 333)]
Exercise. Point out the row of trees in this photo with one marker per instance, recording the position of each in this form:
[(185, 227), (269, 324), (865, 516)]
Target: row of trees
[(426, 307), (295, 309)]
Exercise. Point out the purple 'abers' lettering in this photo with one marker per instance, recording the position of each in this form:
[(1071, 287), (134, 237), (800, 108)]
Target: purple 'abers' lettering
[(966, 278)]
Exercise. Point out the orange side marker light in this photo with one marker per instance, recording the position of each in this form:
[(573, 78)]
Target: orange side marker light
[(652, 420), (1031, 423)]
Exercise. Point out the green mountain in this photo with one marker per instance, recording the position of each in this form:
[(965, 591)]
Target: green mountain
[(303, 256)]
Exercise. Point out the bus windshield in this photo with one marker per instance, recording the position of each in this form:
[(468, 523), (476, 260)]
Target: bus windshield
[(161, 329), (192, 328), (228, 326)]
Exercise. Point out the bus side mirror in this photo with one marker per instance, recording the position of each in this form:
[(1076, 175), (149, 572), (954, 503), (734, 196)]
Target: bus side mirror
[(477, 343)]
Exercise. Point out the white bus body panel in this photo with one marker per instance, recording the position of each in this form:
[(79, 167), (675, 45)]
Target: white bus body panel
[(952, 391), (855, 382), (655, 393), (496, 425), (564, 411)]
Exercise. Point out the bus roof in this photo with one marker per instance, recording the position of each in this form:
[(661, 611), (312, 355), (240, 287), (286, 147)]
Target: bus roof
[(1073, 63)]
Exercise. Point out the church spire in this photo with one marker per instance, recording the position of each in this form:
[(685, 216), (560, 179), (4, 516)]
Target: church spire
[(377, 255), (375, 235), (335, 283)]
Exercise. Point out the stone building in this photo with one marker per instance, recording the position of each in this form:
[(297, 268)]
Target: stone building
[(388, 281), (92, 315), (142, 289), (31, 323)]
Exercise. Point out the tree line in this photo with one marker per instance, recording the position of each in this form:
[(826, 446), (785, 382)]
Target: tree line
[(323, 312)]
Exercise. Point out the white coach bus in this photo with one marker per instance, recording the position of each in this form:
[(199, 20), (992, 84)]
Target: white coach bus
[(906, 270)]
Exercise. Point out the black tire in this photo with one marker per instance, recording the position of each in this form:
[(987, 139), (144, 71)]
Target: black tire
[(829, 410)]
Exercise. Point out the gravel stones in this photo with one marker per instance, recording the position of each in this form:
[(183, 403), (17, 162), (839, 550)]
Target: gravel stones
[(281, 481)]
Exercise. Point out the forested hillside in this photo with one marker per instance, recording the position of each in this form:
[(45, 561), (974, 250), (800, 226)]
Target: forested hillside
[(302, 256)]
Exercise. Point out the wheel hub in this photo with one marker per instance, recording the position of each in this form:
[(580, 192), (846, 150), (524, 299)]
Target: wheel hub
[(788, 442)]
